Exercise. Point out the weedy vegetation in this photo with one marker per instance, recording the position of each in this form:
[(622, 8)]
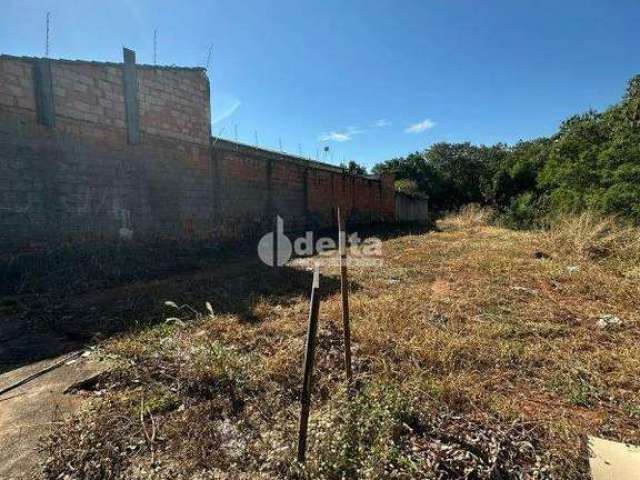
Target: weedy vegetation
[(477, 354)]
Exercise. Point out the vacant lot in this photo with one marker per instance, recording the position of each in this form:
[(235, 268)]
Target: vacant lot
[(477, 354)]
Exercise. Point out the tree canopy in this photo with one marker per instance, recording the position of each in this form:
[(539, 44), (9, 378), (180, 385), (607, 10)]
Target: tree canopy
[(592, 162)]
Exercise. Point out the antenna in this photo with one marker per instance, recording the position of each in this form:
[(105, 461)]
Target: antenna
[(235, 131), (299, 149), (46, 45), (155, 47), (280, 143), (255, 132)]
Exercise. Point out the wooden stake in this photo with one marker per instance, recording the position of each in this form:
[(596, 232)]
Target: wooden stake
[(309, 354), (344, 291)]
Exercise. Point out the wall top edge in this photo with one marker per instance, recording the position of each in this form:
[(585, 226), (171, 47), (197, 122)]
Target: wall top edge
[(101, 64), (224, 144)]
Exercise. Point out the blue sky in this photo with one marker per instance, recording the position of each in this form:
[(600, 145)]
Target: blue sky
[(370, 79)]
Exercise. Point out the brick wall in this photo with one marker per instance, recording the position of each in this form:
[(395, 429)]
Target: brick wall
[(255, 184), (411, 209), (175, 104), (81, 178), (16, 87)]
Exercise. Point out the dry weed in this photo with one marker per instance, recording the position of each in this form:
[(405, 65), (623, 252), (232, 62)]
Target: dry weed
[(470, 353), (592, 236), (468, 216)]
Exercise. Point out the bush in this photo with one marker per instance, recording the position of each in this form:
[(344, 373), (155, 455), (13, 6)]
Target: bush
[(469, 216), (592, 163), (406, 186), (525, 211)]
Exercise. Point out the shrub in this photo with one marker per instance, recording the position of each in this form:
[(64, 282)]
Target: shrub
[(469, 216), (525, 211)]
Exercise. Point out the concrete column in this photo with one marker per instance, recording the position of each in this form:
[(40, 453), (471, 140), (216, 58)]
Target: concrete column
[(44, 92), (130, 80)]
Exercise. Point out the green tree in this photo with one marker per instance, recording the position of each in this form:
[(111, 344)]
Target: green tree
[(354, 168), (592, 162)]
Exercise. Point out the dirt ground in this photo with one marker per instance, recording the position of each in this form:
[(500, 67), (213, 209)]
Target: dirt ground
[(39, 328), (476, 349)]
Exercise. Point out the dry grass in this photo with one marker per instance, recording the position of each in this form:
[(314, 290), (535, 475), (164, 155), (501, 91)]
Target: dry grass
[(469, 216), (473, 356), (594, 237)]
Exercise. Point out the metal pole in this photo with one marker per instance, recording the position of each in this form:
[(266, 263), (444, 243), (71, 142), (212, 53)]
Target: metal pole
[(46, 46), (344, 291), (305, 399), (155, 47)]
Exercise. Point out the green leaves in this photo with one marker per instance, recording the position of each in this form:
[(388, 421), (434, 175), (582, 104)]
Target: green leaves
[(592, 162)]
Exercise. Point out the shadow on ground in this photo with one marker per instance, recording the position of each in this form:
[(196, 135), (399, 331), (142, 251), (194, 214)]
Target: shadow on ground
[(55, 302)]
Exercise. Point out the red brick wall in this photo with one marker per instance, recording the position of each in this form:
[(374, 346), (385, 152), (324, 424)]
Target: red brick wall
[(16, 86), (88, 93), (256, 184), (82, 180), (173, 103)]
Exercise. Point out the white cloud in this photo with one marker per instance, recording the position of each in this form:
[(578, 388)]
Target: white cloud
[(354, 130), (343, 136), (383, 122), (335, 137), (420, 126)]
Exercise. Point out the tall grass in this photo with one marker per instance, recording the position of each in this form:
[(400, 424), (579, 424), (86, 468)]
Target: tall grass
[(588, 235), (592, 236), (469, 216)]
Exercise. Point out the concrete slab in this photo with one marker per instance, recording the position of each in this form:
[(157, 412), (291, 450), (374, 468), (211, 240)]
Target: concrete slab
[(26, 412), (613, 460)]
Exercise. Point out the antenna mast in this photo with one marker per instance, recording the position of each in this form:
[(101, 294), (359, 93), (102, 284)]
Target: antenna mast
[(155, 47), (46, 45)]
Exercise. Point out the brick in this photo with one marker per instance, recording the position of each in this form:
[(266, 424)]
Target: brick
[(88, 150), (6, 99), (13, 68)]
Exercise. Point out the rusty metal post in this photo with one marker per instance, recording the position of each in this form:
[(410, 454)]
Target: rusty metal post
[(344, 291), (309, 354)]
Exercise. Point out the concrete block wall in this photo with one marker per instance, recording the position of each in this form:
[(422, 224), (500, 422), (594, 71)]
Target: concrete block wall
[(257, 184), (17, 87), (175, 104), (88, 93), (80, 179), (411, 209)]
